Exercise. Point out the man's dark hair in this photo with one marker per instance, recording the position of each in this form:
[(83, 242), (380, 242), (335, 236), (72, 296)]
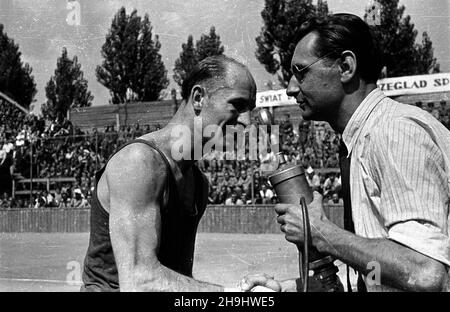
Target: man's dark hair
[(211, 71), (340, 32)]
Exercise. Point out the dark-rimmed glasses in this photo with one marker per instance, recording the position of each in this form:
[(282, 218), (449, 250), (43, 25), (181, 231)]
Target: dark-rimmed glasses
[(300, 73)]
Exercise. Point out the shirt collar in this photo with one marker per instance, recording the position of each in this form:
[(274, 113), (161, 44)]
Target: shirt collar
[(359, 117)]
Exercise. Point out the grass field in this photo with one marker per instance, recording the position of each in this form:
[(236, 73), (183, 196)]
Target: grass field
[(53, 261)]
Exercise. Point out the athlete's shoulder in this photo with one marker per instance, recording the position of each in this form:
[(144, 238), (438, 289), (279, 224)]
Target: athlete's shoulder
[(137, 159)]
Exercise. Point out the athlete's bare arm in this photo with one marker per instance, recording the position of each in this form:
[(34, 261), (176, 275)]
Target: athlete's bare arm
[(135, 178)]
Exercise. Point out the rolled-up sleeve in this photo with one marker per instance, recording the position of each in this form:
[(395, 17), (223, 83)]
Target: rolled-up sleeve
[(424, 238), (415, 192)]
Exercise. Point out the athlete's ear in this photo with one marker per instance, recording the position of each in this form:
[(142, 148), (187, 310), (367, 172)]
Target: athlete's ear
[(197, 97)]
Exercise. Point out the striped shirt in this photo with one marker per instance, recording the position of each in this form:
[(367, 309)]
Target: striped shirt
[(400, 176)]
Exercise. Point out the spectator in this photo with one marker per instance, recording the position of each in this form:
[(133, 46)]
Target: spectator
[(246, 190), (331, 185), (244, 180), (40, 201), (312, 178), (121, 136), (213, 178), (257, 200), (8, 146), (21, 137), (222, 196), (267, 159), (227, 180), (257, 177), (246, 199), (78, 201), (12, 203), (256, 186), (212, 195), (5, 201), (335, 200), (238, 190), (237, 172), (49, 199), (286, 125), (137, 130), (266, 194), (65, 201), (233, 200), (17, 203), (27, 204)]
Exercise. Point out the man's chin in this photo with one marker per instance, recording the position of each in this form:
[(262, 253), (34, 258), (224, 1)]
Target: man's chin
[(307, 114)]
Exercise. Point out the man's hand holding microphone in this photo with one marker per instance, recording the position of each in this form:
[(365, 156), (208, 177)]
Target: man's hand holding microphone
[(291, 224)]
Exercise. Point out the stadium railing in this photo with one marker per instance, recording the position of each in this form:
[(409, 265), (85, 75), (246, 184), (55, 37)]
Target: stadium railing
[(35, 190), (253, 219)]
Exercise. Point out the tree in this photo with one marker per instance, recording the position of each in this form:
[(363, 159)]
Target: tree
[(396, 36), (186, 62), (426, 62), (16, 80), (132, 62), (66, 89), (276, 42), (208, 45)]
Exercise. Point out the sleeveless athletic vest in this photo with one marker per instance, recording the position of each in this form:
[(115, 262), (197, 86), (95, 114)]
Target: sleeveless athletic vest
[(177, 223)]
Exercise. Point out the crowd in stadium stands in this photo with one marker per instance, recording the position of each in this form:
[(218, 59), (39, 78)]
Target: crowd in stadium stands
[(60, 150), (244, 182)]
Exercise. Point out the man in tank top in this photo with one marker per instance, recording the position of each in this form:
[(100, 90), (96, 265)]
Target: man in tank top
[(148, 200)]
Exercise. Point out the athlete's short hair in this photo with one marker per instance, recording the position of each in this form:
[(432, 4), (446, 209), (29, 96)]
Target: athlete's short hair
[(211, 72)]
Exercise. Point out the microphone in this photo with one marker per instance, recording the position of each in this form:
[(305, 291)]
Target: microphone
[(282, 179), (290, 185)]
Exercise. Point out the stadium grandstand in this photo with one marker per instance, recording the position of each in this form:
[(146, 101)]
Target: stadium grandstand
[(51, 163)]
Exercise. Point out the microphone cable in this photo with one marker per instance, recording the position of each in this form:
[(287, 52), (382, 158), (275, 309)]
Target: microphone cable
[(307, 235)]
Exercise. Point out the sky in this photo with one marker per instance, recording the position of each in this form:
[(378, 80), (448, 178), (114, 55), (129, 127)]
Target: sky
[(41, 30)]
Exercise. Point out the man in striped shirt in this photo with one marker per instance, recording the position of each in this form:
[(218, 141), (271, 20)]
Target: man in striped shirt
[(399, 165)]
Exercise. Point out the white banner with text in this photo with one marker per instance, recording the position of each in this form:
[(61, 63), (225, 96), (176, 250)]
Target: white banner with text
[(396, 86)]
